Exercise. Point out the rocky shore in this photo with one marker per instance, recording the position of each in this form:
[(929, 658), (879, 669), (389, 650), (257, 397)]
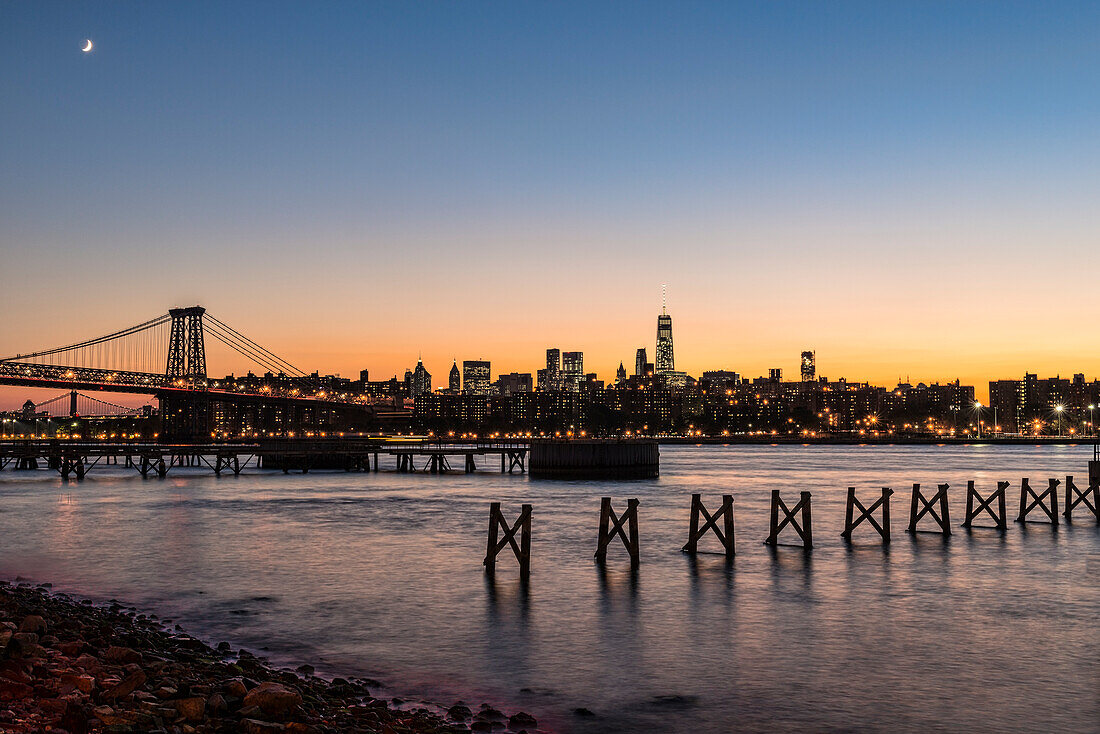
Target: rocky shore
[(68, 666)]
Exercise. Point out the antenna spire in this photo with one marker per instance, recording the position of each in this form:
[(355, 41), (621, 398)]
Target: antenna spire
[(664, 299)]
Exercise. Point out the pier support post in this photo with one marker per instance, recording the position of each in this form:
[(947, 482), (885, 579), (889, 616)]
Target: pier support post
[(612, 525), (804, 529), (1076, 497), (1000, 517), (495, 544), (725, 534), (1039, 500), (865, 513), (470, 466), (922, 506)]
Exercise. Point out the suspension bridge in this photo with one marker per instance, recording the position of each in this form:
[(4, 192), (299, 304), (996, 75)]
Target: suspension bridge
[(166, 357), (78, 405)]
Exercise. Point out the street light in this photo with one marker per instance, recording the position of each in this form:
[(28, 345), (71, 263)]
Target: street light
[(1092, 423), (978, 408), (1058, 409)]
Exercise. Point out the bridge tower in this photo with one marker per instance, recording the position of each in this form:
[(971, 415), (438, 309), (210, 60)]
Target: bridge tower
[(186, 416), (186, 351)]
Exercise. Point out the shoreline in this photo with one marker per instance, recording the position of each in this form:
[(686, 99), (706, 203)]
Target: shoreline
[(70, 665)]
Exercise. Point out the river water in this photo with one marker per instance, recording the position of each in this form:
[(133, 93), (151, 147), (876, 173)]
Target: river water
[(380, 575)]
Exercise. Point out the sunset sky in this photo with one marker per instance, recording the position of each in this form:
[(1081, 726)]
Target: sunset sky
[(907, 188)]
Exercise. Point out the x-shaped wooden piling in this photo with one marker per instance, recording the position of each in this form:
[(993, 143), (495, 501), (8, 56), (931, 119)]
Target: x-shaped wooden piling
[(1000, 516), (612, 525), (804, 529), (927, 505), (725, 513), (865, 514), (1038, 500), (495, 546), (1076, 497)]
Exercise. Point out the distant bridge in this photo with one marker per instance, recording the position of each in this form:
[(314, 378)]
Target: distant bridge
[(166, 357), (79, 405)]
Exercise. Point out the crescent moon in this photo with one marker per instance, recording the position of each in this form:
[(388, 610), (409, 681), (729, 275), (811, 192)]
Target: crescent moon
[(87, 45)]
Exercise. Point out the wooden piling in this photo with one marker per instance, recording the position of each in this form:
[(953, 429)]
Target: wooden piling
[(1039, 500), (1000, 517), (612, 525), (495, 544), (1076, 497), (922, 505), (725, 535), (804, 529), (865, 513)]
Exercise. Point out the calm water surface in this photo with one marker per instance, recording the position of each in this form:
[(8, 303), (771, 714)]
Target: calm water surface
[(380, 575)]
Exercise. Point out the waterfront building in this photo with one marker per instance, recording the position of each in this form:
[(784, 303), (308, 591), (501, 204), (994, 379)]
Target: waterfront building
[(475, 377), (809, 367)]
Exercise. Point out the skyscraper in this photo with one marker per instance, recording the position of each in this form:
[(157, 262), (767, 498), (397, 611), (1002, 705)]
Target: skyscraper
[(640, 361), (454, 379), (475, 377), (665, 362), (421, 380), (809, 368), (572, 370)]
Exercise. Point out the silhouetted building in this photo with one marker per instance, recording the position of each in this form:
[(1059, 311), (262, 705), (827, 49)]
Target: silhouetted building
[(620, 374), (454, 379), (421, 380), (640, 362), (775, 374), (514, 382), (809, 368)]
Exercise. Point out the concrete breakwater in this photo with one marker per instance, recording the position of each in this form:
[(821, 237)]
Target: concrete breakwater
[(595, 459)]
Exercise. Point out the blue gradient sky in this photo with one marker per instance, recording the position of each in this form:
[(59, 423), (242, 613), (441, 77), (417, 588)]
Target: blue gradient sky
[(908, 188)]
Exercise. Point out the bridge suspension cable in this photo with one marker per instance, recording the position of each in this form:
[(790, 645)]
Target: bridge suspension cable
[(139, 348), (86, 405), (242, 344)]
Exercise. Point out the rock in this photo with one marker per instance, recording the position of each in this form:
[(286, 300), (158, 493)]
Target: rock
[(26, 638), (458, 712), (33, 623), (521, 720), (71, 649), (273, 699), (121, 655), (11, 690), (255, 726), (192, 708), (582, 712), (126, 686), (305, 669), (217, 705), (236, 688), (82, 683)]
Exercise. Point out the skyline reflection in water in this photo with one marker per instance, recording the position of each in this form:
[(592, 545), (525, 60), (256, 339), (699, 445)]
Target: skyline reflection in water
[(380, 575)]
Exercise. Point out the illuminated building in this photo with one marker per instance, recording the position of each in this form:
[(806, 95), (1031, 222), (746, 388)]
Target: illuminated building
[(809, 367), (475, 377)]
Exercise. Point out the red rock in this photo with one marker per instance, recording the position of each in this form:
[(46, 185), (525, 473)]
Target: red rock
[(236, 688), (126, 686), (33, 623), (192, 708), (273, 698), (71, 649), (255, 726), (82, 683), (118, 655), (11, 690)]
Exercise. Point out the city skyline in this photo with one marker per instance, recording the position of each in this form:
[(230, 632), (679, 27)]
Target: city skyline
[(819, 178)]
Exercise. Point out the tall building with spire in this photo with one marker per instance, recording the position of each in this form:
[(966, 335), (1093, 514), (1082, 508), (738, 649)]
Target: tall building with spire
[(665, 362), (421, 380), (454, 379)]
